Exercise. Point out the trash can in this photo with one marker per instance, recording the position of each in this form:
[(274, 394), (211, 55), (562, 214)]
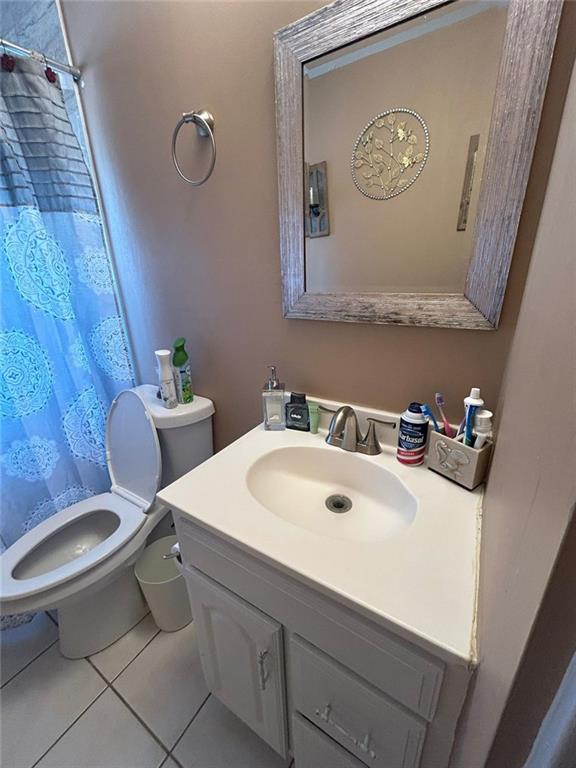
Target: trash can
[(163, 585)]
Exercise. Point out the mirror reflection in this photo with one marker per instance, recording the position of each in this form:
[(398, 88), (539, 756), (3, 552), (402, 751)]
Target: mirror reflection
[(395, 135)]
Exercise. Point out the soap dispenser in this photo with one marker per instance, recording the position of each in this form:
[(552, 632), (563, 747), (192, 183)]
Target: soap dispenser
[(273, 402)]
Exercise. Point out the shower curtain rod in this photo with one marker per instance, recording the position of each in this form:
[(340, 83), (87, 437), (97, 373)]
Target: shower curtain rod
[(18, 50)]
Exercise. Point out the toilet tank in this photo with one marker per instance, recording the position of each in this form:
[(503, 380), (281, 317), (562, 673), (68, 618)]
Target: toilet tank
[(184, 432)]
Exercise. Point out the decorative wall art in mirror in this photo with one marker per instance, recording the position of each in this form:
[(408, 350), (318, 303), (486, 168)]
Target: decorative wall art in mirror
[(390, 153), (423, 116)]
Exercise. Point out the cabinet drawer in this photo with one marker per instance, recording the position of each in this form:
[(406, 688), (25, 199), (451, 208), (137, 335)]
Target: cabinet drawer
[(312, 749), (351, 711)]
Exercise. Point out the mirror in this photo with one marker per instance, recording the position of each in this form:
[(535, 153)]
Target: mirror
[(393, 117), (413, 120)]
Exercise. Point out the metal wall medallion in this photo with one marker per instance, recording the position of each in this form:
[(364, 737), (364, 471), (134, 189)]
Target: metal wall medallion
[(390, 153)]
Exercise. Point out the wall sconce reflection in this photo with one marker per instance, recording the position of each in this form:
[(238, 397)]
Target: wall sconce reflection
[(317, 219)]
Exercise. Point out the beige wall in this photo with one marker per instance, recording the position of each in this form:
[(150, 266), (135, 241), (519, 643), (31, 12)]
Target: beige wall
[(544, 663), (204, 262), (532, 486), (409, 242)]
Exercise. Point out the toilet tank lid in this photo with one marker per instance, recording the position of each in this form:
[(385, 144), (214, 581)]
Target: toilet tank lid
[(167, 418)]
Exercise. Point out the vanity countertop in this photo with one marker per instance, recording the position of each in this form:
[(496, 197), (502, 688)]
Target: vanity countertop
[(422, 579)]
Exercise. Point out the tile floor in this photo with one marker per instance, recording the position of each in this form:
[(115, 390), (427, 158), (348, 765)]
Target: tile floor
[(141, 703)]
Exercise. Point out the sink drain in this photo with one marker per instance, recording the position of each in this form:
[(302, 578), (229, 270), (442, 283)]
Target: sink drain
[(338, 503)]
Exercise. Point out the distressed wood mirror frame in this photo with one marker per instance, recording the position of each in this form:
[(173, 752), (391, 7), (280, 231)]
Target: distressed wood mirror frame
[(531, 29)]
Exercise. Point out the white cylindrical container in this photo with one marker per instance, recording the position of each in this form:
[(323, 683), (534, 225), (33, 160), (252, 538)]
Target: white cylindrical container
[(163, 585), (166, 378), (482, 427), (412, 436)]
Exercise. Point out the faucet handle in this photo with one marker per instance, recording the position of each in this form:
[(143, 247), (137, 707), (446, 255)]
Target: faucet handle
[(370, 444), (385, 422)]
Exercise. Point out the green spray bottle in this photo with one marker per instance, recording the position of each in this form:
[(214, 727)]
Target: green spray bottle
[(182, 372)]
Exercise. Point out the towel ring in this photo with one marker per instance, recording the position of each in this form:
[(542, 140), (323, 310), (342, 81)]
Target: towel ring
[(205, 126)]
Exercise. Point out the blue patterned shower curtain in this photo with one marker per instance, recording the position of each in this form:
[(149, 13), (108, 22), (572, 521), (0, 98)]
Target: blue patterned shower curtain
[(63, 350)]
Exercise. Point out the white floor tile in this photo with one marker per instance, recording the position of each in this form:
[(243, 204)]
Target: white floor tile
[(41, 702), (164, 684), (217, 739), (106, 736), (20, 645), (170, 763), (112, 660)]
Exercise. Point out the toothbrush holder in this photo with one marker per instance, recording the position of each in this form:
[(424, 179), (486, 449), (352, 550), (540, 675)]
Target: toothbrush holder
[(458, 462)]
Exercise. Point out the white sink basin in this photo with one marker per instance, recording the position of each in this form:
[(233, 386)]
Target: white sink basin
[(312, 488)]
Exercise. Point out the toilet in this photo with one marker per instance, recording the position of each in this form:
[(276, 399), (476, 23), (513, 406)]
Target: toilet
[(81, 560)]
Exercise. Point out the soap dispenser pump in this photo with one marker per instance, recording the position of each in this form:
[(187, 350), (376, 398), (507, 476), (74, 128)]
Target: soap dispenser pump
[(273, 402)]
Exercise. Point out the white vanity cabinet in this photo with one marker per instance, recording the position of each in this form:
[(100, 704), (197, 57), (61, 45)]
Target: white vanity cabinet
[(315, 678)]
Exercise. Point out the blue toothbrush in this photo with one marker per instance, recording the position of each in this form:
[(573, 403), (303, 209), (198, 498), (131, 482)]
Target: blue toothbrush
[(427, 411)]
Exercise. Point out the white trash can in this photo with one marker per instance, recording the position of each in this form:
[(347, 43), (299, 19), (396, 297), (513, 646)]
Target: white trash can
[(163, 585)]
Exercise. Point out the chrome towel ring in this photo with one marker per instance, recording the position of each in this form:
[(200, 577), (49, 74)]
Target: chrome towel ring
[(205, 126)]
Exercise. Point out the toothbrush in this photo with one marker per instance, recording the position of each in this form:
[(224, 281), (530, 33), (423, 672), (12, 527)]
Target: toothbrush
[(448, 431), (468, 435), (426, 410)]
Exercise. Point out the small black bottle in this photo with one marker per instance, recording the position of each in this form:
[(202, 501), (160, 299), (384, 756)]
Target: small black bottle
[(297, 415)]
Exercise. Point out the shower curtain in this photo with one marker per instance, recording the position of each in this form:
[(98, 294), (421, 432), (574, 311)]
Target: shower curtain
[(555, 744), (63, 348)]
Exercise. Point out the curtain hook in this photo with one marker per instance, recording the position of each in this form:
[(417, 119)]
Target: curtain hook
[(51, 76), (8, 61)]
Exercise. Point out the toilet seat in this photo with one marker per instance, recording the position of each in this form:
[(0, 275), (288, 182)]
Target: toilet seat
[(130, 519), (83, 535)]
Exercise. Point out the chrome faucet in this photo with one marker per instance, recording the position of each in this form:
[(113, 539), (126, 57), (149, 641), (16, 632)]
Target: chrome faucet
[(343, 430), (344, 433)]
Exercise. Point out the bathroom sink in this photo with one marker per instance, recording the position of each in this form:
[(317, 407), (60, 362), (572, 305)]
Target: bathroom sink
[(405, 552), (332, 493)]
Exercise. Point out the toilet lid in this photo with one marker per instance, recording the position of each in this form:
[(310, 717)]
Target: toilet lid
[(133, 450)]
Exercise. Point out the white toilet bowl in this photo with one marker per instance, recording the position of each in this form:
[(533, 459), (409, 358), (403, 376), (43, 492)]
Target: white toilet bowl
[(81, 559)]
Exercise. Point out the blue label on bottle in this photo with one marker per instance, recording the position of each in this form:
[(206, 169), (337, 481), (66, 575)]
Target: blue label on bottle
[(412, 437)]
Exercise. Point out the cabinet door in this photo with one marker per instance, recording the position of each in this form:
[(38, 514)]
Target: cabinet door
[(242, 658)]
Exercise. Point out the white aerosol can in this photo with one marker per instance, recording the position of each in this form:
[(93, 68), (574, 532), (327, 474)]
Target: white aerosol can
[(412, 436), (166, 378)]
